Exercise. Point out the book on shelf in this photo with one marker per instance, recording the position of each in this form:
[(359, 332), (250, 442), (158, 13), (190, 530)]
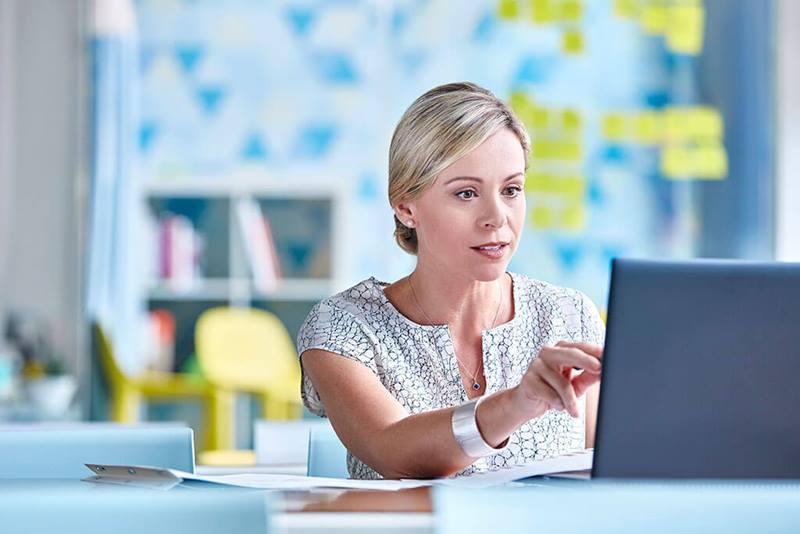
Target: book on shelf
[(179, 252), (259, 245)]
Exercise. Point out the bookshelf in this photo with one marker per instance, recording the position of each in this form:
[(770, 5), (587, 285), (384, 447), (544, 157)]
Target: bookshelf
[(305, 226)]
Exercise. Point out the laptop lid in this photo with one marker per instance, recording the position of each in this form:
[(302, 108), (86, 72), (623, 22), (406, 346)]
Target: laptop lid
[(701, 371)]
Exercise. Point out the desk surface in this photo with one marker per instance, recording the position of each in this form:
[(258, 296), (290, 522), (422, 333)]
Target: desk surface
[(406, 511), (416, 500)]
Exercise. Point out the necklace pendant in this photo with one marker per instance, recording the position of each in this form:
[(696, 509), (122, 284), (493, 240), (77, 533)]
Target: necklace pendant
[(476, 386)]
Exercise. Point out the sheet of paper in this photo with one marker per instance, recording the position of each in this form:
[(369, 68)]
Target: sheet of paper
[(567, 463), (294, 482)]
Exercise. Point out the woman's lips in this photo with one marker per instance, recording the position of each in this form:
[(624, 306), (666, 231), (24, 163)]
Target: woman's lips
[(493, 253)]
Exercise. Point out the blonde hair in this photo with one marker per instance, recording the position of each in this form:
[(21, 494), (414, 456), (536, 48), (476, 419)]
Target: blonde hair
[(439, 128)]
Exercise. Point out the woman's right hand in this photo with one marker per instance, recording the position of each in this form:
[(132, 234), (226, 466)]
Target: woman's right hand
[(558, 377)]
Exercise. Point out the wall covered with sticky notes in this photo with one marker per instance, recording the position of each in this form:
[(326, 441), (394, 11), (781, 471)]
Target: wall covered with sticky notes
[(628, 124)]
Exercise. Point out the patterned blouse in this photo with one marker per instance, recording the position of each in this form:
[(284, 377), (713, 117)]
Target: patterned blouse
[(417, 365)]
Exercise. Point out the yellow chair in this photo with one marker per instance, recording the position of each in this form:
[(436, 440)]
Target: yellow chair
[(246, 350), (129, 392)]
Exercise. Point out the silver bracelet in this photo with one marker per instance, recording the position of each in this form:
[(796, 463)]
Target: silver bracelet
[(465, 430)]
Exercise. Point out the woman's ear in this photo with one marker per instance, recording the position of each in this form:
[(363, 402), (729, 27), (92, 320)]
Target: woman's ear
[(405, 211)]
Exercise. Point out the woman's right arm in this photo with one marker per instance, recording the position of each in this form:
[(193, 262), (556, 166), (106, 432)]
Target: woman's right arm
[(380, 432)]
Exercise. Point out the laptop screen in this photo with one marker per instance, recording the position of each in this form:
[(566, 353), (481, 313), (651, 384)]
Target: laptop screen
[(701, 371)]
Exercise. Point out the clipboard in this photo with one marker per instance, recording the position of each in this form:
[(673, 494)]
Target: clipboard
[(136, 476)]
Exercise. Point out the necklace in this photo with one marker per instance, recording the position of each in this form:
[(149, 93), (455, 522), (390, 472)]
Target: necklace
[(473, 376)]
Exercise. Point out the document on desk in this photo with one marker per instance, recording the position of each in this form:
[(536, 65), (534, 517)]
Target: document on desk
[(575, 464), (168, 478)]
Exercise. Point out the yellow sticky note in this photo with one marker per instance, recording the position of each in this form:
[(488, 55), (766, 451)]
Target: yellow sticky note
[(676, 162), (570, 120), (710, 163), (614, 126), (573, 217), (543, 11), (571, 10), (567, 151), (536, 182), (523, 107), (508, 9), (648, 128), (519, 101), (540, 118), (541, 217), (685, 29), (571, 186), (676, 125), (654, 19), (572, 42), (543, 150), (627, 9), (704, 123)]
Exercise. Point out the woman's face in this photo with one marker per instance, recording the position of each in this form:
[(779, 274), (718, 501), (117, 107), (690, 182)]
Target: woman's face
[(470, 220)]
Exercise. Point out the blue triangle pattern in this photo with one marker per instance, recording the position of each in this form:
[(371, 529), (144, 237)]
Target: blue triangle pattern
[(614, 153), (300, 20), (254, 148), (188, 57), (298, 253), (399, 21), (596, 196), (657, 99), (532, 69), (484, 28), (367, 189), (569, 255), (147, 132), (210, 98), (315, 140), (335, 68)]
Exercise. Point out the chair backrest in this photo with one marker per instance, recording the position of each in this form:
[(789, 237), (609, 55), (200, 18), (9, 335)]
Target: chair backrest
[(108, 363), (40, 507), (327, 456), (284, 442), (246, 349), (62, 452)]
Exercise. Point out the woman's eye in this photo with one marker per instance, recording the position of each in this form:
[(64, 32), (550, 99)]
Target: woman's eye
[(466, 194), (513, 191)]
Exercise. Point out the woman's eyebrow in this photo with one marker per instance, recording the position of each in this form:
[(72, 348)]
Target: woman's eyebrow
[(480, 180)]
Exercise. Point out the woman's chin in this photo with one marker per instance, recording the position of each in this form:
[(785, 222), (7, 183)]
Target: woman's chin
[(490, 273)]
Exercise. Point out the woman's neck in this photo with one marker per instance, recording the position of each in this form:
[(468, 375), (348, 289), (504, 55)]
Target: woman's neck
[(462, 303)]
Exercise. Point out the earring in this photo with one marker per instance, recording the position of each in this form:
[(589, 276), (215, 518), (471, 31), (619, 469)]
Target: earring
[(410, 223)]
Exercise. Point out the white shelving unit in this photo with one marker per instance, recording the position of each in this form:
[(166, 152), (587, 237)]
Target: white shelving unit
[(293, 294), (238, 287)]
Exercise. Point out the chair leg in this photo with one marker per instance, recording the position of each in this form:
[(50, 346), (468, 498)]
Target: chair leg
[(221, 414), (126, 405)]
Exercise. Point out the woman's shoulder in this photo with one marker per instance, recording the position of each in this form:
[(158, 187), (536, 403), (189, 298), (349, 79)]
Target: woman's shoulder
[(538, 294), (359, 301)]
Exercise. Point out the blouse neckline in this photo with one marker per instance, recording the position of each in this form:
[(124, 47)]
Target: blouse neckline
[(380, 285)]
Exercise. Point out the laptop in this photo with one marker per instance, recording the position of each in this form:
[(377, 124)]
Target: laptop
[(701, 371)]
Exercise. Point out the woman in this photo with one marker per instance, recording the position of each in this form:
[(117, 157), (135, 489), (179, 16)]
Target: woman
[(460, 366)]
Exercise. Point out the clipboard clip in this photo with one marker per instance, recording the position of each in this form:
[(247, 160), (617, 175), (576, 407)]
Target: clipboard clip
[(133, 475)]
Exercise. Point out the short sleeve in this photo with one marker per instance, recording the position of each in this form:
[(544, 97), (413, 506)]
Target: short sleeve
[(333, 329)]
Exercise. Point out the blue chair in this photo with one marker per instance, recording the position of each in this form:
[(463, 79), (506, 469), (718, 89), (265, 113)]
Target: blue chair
[(327, 457), (621, 507), (58, 453), (40, 506)]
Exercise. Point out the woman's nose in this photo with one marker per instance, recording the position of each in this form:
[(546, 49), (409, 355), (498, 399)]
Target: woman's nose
[(493, 215)]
